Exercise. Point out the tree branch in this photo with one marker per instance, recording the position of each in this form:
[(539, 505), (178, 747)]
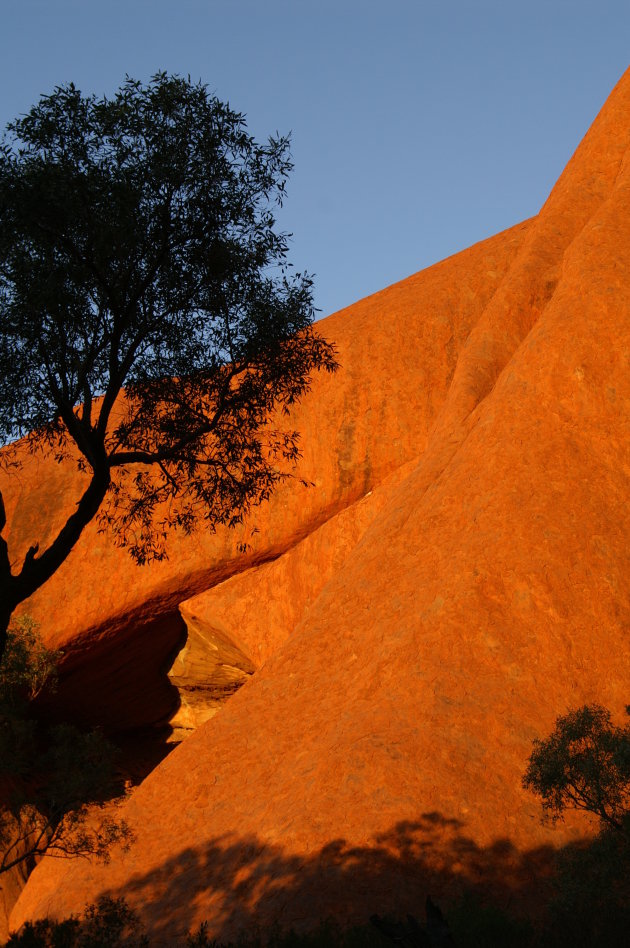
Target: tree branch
[(36, 570)]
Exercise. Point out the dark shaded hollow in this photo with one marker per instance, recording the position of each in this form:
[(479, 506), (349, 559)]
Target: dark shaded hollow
[(120, 682)]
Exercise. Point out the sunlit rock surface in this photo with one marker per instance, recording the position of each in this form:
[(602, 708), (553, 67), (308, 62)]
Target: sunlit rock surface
[(407, 651), (210, 667), (398, 349)]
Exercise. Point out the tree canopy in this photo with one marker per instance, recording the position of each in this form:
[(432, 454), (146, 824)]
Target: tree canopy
[(151, 327), (584, 764)]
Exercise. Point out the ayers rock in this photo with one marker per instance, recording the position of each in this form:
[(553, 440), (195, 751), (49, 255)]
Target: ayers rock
[(458, 575)]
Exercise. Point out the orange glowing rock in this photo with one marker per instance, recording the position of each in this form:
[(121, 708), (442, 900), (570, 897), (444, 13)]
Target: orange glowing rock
[(409, 649), (118, 624)]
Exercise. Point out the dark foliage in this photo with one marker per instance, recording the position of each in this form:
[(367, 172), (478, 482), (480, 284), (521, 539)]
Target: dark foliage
[(55, 781), (591, 907), (110, 923), (412, 934), (478, 923), (326, 935), (27, 666), (149, 322), (585, 765)]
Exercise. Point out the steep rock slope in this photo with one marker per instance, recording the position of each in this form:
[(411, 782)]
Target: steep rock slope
[(119, 624), (378, 751), (231, 612)]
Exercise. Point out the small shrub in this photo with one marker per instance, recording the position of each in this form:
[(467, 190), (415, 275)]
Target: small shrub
[(109, 923), (27, 665), (53, 778)]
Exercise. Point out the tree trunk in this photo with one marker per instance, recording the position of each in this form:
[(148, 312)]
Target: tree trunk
[(36, 570)]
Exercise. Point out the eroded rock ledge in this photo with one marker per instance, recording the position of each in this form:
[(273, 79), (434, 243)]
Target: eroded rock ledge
[(207, 671)]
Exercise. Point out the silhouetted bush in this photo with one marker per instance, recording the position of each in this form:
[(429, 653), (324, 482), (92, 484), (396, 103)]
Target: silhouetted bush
[(591, 907), (328, 934), (584, 764), (110, 923), (53, 778)]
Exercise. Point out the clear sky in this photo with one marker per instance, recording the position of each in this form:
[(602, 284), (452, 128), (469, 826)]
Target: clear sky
[(419, 126)]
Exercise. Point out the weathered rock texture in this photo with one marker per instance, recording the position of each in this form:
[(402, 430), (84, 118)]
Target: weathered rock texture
[(398, 349), (207, 668), (413, 643)]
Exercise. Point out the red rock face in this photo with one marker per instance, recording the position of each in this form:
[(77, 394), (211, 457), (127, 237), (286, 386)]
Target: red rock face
[(357, 428), (409, 649)]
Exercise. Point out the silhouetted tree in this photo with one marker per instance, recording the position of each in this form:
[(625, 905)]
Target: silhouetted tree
[(149, 324), (584, 764)]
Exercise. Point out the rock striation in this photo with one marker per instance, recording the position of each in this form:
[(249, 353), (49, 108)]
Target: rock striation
[(457, 577)]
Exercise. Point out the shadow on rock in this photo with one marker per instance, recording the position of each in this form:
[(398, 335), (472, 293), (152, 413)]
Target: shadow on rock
[(245, 885)]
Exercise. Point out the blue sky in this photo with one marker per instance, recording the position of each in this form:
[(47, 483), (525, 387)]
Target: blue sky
[(418, 127)]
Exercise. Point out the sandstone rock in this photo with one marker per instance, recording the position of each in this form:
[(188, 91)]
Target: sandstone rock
[(211, 667), (378, 748), (118, 624), (207, 671)]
